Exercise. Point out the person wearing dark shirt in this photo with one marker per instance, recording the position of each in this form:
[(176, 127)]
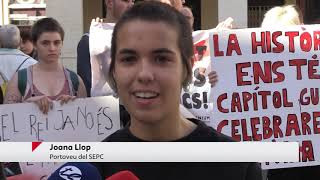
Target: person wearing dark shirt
[(83, 62), (151, 56), (202, 133)]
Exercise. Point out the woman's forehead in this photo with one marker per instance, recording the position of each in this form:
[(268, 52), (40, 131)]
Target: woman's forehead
[(141, 24), (149, 35), (50, 36)]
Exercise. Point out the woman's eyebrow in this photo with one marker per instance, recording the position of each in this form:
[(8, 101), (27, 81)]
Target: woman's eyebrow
[(127, 51), (163, 50)]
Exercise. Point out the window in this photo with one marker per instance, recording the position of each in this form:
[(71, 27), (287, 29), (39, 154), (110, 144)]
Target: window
[(26, 12)]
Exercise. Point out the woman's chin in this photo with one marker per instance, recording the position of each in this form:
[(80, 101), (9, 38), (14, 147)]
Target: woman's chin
[(146, 117)]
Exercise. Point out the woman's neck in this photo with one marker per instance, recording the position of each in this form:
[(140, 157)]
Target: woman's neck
[(169, 129), (49, 67), (109, 19)]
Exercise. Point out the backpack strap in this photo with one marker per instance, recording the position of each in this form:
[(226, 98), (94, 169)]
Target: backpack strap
[(1, 96), (74, 85), (3, 83), (22, 63), (22, 81), (25, 81)]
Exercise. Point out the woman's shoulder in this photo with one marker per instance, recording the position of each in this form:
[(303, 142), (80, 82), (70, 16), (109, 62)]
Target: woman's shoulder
[(205, 133), (121, 135)]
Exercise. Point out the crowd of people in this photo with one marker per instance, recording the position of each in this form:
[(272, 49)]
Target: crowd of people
[(150, 62)]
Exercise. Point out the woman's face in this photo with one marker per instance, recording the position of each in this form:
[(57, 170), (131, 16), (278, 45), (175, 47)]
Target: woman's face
[(118, 7), (148, 70), (49, 46), (26, 46), (177, 4)]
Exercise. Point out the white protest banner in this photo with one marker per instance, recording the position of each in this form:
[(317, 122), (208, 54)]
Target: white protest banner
[(87, 119), (268, 87), (197, 98)]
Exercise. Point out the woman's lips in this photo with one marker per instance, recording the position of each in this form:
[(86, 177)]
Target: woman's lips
[(146, 95), (145, 98)]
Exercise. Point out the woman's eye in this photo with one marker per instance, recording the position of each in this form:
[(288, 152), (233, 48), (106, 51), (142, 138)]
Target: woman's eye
[(46, 43), (129, 59), (57, 43), (161, 59)]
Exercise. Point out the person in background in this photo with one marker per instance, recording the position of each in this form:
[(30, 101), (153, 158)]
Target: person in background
[(178, 4), (89, 70), (187, 12), (47, 80), (83, 62), (11, 58), (26, 45), (85, 69), (114, 9), (282, 16), (148, 77)]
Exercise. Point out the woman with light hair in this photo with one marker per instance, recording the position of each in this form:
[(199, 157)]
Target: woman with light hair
[(282, 16)]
